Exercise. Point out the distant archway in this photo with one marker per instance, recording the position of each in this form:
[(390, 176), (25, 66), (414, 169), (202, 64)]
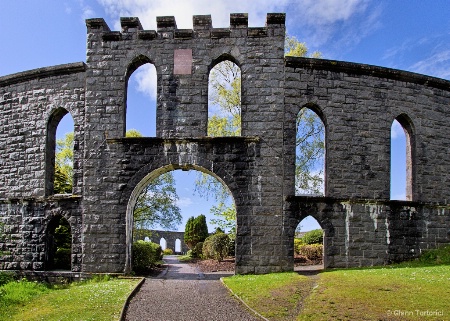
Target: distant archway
[(178, 246), (163, 243)]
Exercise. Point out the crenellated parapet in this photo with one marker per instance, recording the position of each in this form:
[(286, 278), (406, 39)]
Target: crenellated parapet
[(202, 28)]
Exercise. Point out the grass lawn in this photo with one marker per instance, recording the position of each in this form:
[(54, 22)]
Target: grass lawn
[(389, 293), (418, 290), (277, 296), (90, 300)]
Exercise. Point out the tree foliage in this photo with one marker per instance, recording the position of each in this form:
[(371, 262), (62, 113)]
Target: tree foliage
[(133, 133), (157, 205), (224, 99), (310, 145), (64, 165), (216, 247), (196, 231), (295, 48)]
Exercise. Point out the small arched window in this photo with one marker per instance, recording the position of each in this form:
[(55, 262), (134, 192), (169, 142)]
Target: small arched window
[(224, 100)]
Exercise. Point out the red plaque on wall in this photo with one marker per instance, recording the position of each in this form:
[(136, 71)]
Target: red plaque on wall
[(182, 61)]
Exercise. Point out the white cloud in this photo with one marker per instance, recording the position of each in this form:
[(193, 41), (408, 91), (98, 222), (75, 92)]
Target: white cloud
[(146, 80), (396, 130), (184, 202), (86, 10), (437, 64)]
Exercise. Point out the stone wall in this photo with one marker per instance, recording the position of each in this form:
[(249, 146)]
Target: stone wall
[(357, 104)]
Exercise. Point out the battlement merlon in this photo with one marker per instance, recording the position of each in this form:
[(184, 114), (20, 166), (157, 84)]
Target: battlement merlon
[(202, 27)]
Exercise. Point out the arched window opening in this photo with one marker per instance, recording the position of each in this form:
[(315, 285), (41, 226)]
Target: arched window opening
[(59, 244), (308, 244), (224, 100), (141, 101), (59, 153), (168, 199), (310, 154), (401, 159), (178, 246), (163, 243)]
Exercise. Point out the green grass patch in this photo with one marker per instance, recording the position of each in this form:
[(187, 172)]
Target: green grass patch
[(393, 293), (277, 296), (98, 299), (415, 290)]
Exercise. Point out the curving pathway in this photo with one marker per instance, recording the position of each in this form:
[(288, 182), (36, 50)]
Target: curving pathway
[(182, 293)]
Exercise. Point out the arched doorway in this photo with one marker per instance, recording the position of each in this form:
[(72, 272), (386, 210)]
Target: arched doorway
[(154, 175), (58, 244), (309, 245)]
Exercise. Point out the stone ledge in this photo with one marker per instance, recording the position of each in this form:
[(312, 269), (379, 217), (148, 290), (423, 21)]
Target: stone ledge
[(397, 203), (158, 140), (45, 72), (352, 68)]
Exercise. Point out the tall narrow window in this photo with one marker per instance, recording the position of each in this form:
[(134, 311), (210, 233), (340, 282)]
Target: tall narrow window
[(141, 102), (224, 100), (310, 154), (59, 153), (401, 159)]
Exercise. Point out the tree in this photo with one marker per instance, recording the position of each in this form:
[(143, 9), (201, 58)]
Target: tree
[(310, 145), (225, 99), (295, 48), (64, 165), (156, 205), (133, 133), (196, 231)]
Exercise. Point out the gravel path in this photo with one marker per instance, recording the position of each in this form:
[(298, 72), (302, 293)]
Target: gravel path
[(182, 293)]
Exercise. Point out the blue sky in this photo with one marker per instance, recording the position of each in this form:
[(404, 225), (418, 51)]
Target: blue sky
[(403, 34)]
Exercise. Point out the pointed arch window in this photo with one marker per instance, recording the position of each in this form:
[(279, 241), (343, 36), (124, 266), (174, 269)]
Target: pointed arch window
[(224, 100), (59, 153), (402, 149), (310, 153)]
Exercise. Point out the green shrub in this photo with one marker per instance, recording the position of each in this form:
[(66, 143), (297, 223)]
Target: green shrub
[(145, 255), (6, 277), (313, 237), (196, 230), (297, 244), (168, 251), (197, 250), (232, 247), (436, 256), (216, 246), (312, 252)]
